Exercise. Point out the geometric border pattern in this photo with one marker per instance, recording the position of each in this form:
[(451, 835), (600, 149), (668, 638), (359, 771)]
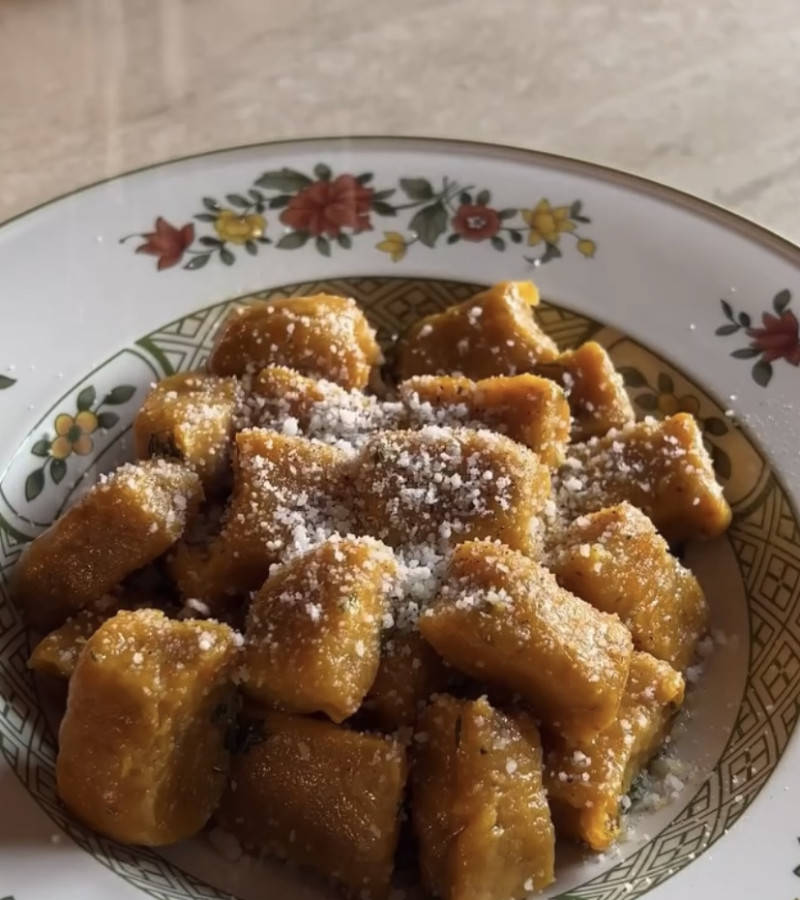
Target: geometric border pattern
[(765, 536)]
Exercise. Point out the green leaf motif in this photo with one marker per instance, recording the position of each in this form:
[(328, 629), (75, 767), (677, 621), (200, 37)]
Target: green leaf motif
[(647, 402), (86, 399), (251, 247), (344, 240), (726, 308), (551, 252), (715, 426), (205, 217), (364, 178), (287, 181), (226, 256), (383, 209), (483, 198), (211, 204), (507, 214), (453, 238), (322, 172), (280, 201), (429, 223), (6, 382), (107, 420), (256, 195), (41, 448), (516, 237), (238, 200), (197, 262), (762, 373), (323, 246), (746, 353), (632, 377), (416, 188), (210, 241), (781, 300), (383, 195), (725, 330), (34, 484), (744, 320), (665, 383), (293, 240), (465, 198), (58, 469), (575, 209), (722, 462), (498, 243)]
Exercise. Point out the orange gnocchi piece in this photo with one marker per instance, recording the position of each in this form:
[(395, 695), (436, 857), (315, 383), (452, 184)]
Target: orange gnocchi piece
[(617, 561), (531, 410), (122, 523), (493, 333), (321, 336), (444, 485), (502, 619), (661, 467)]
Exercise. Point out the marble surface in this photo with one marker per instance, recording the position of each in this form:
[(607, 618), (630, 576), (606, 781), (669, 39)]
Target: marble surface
[(700, 94)]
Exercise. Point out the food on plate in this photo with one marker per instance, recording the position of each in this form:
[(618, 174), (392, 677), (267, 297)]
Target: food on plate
[(532, 411), (617, 561), (478, 802), (190, 416), (322, 337), (502, 618), (448, 484), (308, 593), (58, 651), (282, 485), (661, 467), (410, 672), (597, 396), (142, 754), (587, 780), (493, 333), (319, 794), (126, 520), (313, 633)]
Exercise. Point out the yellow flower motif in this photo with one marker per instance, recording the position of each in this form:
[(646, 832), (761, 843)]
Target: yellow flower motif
[(73, 434), (669, 404), (394, 244), (239, 229), (587, 247), (547, 223)]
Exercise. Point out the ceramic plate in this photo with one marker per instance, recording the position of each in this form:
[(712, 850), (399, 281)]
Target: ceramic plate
[(114, 286)]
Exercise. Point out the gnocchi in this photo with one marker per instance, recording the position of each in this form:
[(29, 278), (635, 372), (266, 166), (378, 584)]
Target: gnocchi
[(455, 599)]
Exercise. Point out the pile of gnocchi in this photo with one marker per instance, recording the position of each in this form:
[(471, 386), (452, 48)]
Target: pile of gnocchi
[(336, 598)]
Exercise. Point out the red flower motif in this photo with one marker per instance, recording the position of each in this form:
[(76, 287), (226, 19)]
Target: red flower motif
[(778, 339), (475, 223), (326, 207), (167, 242)]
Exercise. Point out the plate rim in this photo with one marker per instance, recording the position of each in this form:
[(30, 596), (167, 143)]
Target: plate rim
[(766, 237)]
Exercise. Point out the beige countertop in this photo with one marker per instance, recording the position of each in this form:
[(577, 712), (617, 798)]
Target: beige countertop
[(701, 94)]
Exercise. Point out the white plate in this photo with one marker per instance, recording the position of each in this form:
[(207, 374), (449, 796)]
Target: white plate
[(697, 305)]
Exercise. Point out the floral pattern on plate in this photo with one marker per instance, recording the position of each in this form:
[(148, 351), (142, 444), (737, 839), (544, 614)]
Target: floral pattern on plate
[(331, 210), (660, 398), (777, 339), (73, 435)]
